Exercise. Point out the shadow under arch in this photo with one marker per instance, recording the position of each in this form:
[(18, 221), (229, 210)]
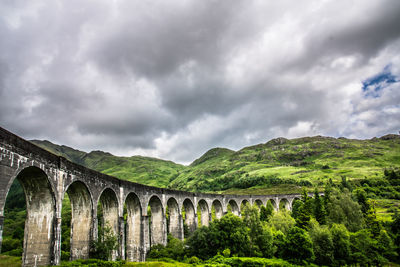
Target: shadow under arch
[(284, 204), (243, 204), (204, 213), (259, 203), (190, 215), (217, 209), (81, 219), (107, 214), (40, 216), (234, 208), (134, 239), (157, 222), (273, 203), (175, 227)]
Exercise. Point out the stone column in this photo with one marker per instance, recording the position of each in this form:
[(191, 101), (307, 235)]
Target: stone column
[(121, 238), (145, 237), (57, 241), (1, 230), (95, 226), (180, 222)]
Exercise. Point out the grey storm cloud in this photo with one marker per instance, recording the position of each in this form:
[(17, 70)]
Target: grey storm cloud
[(174, 79)]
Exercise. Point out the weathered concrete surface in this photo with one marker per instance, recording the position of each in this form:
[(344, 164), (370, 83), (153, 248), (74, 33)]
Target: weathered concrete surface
[(46, 178)]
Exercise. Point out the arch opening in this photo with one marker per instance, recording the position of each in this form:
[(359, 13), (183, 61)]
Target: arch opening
[(174, 222), (243, 204), (133, 228), (107, 215), (216, 210), (158, 233), (233, 207), (189, 216), (284, 204), (259, 203), (203, 213), (32, 195), (80, 220), (273, 203)]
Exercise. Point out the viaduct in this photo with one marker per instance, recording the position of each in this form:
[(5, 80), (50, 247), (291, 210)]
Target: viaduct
[(46, 178)]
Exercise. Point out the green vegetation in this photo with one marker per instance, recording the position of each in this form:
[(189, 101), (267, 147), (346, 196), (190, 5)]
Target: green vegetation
[(356, 222), (145, 170), (278, 166), (294, 238)]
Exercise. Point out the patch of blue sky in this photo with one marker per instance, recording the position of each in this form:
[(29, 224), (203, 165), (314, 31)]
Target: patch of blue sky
[(373, 86)]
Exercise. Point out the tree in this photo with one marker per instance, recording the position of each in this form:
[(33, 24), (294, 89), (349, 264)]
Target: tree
[(107, 243), (279, 241), (341, 244), (266, 212), (371, 221), (322, 244), (343, 209), (386, 246), (303, 210), (260, 237), (319, 209), (361, 197), (298, 246), (282, 221), (228, 232), (174, 249), (364, 249)]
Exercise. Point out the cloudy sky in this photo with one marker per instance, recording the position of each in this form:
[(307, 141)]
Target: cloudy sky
[(172, 79)]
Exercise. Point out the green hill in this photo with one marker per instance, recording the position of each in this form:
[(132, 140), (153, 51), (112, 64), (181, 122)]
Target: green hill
[(278, 166), (285, 166), (144, 170)]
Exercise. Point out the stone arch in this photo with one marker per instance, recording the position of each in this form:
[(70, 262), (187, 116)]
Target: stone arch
[(258, 202), (190, 215), (81, 219), (133, 229), (158, 233), (284, 204), (273, 203), (205, 212), (243, 204), (234, 207), (109, 203), (174, 219), (40, 213), (217, 206)]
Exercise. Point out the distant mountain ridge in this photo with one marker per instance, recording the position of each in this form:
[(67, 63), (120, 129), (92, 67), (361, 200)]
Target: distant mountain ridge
[(145, 170), (278, 166)]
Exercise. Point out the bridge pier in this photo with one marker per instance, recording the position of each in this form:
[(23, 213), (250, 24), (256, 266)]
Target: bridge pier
[(121, 238), (1, 230), (146, 236), (57, 241)]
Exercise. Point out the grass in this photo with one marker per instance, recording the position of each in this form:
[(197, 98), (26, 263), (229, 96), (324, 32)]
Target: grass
[(10, 261), (385, 208), (310, 159), (156, 264)]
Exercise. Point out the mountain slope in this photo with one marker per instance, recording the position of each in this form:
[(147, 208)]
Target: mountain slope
[(144, 170), (284, 166), (278, 166)]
